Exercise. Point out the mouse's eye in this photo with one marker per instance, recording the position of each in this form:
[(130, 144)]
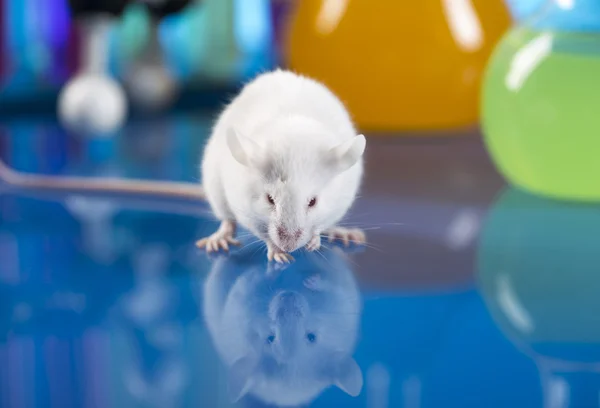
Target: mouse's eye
[(271, 339), (312, 202), (270, 199), (311, 337)]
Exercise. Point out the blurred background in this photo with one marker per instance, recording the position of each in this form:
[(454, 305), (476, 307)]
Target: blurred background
[(478, 287), (207, 48)]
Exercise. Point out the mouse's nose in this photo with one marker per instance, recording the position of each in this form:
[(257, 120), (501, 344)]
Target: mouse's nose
[(282, 233), (285, 234)]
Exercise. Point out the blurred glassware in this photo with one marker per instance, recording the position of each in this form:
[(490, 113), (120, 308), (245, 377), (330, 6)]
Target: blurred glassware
[(538, 271), (2, 44), (399, 65), (280, 11), (540, 99), (220, 47), (522, 9), (92, 102), (34, 42), (152, 85), (209, 47), (131, 34), (219, 42)]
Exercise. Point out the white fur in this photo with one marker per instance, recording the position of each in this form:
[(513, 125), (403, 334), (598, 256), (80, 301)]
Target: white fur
[(240, 305), (290, 137)]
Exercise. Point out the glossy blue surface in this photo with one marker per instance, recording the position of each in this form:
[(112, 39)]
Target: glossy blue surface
[(465, 297)]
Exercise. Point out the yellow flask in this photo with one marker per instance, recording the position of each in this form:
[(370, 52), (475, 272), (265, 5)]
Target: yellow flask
[(399, 64)]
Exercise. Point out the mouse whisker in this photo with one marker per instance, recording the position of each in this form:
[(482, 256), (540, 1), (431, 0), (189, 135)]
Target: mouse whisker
[(369, 224), (352, 244), (362, 244), (259, 247)]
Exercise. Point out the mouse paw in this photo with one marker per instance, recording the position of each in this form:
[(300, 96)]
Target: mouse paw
[(274, 269), (314, 244), (221, 239), (346, 235), (283, 258), (314, 283), (277, 255)]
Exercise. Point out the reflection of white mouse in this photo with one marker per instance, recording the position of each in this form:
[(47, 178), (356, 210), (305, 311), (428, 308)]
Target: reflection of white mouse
[(285, 162), (286, 338)]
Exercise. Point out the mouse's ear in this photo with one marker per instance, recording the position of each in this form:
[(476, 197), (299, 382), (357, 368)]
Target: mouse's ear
[(243, 149), (240, 377), (345, 155), (348, 377)]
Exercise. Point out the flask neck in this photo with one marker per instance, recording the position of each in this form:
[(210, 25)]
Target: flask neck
[(568, 15)]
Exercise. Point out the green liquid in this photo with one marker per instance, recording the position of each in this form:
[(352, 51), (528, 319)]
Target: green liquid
[(541, 112)]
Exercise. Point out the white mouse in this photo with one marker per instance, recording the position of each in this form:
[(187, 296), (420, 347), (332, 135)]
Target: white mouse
[(285, 162)]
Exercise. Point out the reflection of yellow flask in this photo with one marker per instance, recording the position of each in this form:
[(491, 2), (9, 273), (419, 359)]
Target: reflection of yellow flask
[(399, 65)]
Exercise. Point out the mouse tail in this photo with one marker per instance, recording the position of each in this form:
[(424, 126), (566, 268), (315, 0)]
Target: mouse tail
[(99, 185)]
